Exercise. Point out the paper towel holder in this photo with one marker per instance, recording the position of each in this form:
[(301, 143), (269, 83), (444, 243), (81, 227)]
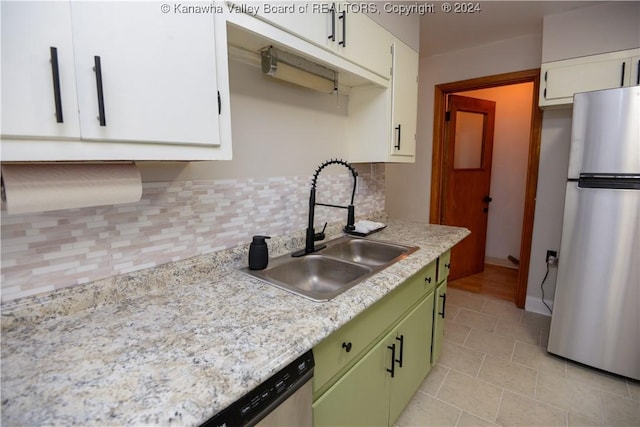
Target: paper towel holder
[(47, 186)]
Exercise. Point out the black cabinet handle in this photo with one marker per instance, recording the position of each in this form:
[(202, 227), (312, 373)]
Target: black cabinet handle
[(487, 199), (392, 347), (55, 73), (401, 339), (343, 16), (219, 104), (98, 69), (444, 304), (638, 73), (346, 346), (332, 37), (624, 64), (448, 265), (399, 129), (427, 279)]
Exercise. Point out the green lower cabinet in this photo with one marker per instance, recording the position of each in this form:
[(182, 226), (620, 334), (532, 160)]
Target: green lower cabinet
[(416, 361), (375, 391), (439, 313), (360, 397)]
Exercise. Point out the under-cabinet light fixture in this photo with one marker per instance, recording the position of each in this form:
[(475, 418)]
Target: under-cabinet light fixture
[(300, 71)]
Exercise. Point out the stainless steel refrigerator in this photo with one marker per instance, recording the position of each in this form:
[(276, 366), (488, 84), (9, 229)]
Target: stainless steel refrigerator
[(596, 308)]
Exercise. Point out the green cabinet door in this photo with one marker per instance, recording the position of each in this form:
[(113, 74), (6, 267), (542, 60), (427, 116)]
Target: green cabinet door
[(439, 313), (413, 343), (361, 396)]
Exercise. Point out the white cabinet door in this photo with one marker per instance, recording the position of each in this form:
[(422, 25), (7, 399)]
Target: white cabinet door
[(405, 103), (158, 73), (563, 79), (312, 21), (336, 26), (383, 121), (365, 43), (29, 31)]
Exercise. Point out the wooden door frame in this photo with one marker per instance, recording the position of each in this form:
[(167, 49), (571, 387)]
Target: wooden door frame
[(437, 178)]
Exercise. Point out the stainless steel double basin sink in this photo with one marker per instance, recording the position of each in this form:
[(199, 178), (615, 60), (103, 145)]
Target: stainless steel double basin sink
[(325, 274)]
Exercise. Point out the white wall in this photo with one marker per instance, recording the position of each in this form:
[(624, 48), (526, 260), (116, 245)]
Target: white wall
[(547, 225), (601, 28), (509, 169)]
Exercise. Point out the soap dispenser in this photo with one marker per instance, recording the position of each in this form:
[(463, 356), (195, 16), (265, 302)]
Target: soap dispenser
[(258, 253)]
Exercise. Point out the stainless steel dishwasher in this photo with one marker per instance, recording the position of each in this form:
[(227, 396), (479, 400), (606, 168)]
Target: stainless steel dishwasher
[(284, 399)]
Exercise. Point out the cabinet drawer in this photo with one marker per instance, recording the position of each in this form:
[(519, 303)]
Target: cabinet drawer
[(343, 348), (444, 266)]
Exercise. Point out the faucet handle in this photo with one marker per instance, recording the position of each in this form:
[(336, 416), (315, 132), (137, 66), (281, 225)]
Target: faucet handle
[(320, 235)]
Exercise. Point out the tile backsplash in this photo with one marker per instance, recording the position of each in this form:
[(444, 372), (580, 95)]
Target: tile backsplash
[(173, 221)]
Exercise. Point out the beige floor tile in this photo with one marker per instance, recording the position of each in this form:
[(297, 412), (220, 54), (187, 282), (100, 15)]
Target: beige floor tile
[(601, 380), (465, 299), (634, 388), (538, 358), (451, 310), (535, 319), (470, 394), (518, 331), (469, 420), (461, 358), (491, 344), (502, 309), (544, 338), (513, 377), (434, 380), (476, 320), (516, 410), (570, 395), (425, 411), (577, 420), (619, 411), (455, 332)]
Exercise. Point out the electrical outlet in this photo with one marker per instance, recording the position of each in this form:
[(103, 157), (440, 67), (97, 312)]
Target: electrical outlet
[(552, 257)]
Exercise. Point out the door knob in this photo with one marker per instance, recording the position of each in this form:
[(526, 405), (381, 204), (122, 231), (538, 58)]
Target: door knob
[(487, 199)]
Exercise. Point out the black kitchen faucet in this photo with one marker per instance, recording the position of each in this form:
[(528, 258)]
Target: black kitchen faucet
[(311, 235)]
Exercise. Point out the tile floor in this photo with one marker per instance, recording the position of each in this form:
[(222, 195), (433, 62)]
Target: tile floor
[(494, 370)]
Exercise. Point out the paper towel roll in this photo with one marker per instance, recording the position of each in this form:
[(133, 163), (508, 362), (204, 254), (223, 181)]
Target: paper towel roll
[(46, 187)]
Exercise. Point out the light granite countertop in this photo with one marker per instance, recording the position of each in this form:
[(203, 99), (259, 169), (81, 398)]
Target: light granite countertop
[(188, 341)]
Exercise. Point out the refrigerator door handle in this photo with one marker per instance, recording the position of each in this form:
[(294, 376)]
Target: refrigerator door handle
[(621, 182)]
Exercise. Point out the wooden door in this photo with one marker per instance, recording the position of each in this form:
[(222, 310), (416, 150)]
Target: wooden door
[(467, 178)]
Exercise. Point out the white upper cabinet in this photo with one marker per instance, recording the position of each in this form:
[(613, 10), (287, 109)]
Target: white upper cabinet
[(340, 27), (158, 73), (366, 43), (38, 70), (404, 109), (310, 21), (136, 83), (382, 122), (563, 79)]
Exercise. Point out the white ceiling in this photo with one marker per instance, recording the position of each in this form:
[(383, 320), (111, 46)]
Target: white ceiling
[(441, 32)]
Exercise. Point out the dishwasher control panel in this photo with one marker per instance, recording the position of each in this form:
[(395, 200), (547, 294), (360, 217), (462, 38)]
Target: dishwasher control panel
[(260, 401)]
